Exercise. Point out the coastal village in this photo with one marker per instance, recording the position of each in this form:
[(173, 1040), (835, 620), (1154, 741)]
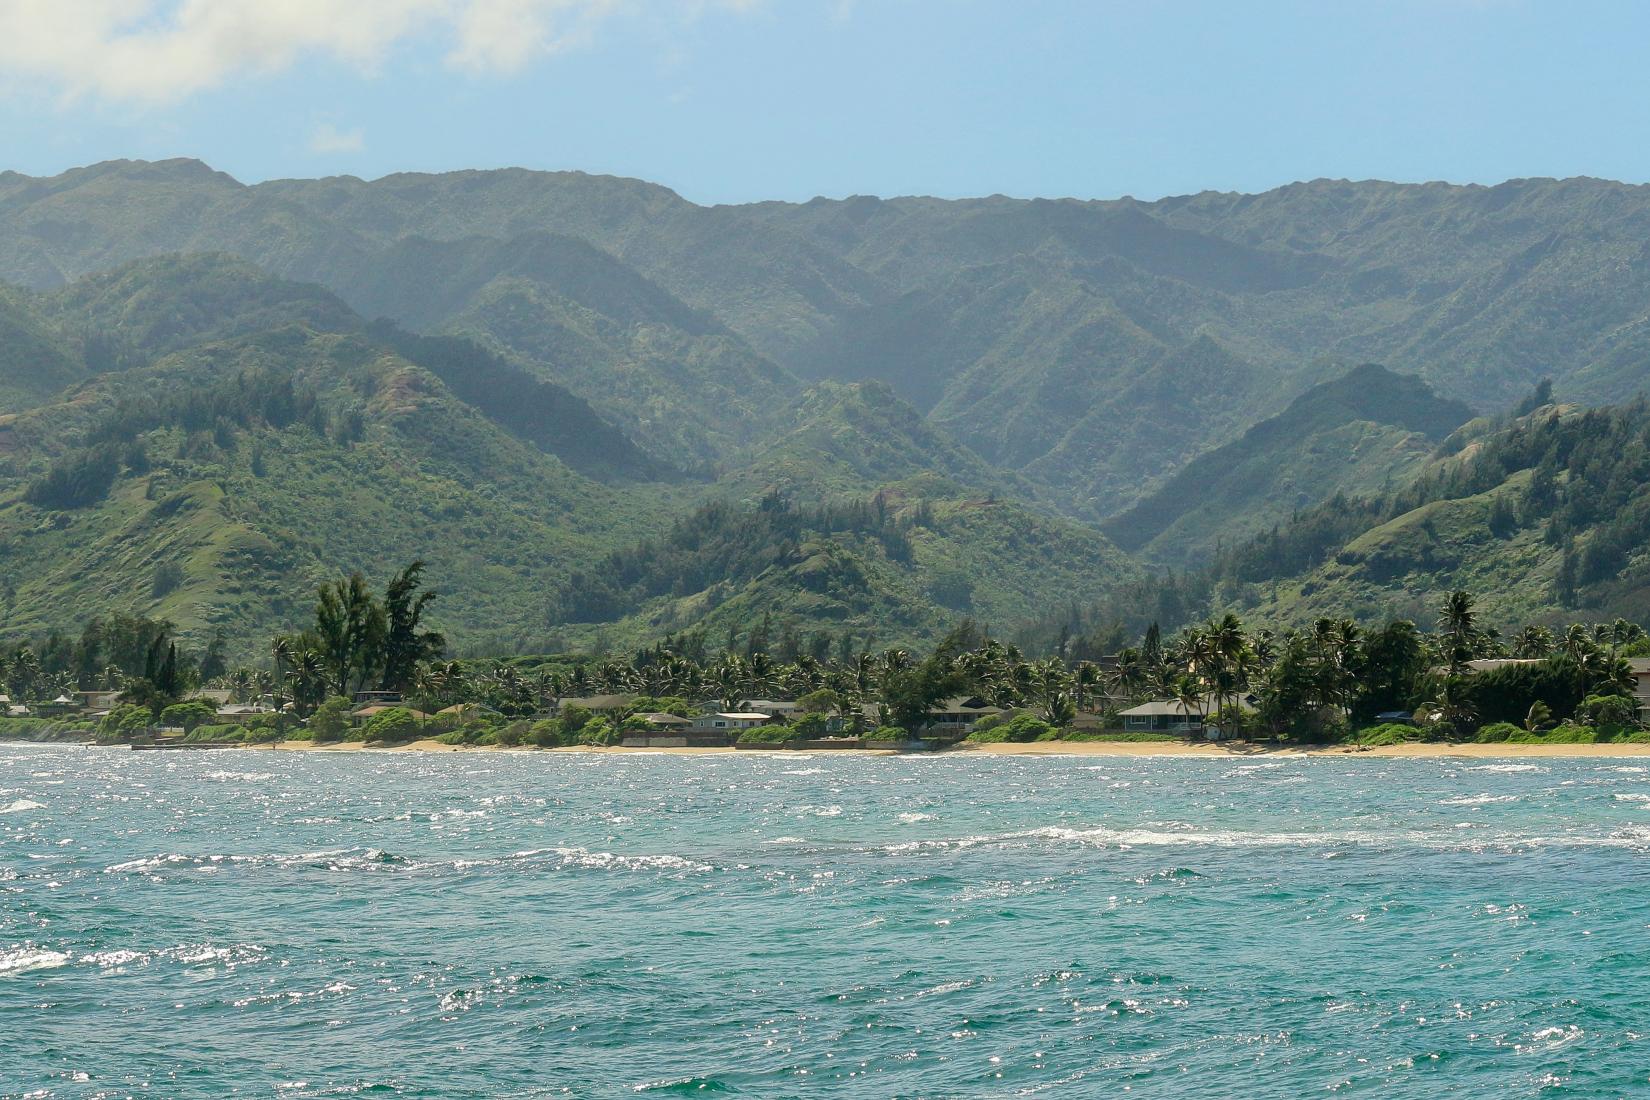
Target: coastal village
[(712, 724)]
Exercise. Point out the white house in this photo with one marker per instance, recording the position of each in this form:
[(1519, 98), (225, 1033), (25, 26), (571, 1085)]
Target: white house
[(723, 721)]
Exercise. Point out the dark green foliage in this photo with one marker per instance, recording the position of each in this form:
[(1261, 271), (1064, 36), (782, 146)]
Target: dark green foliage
[(1506, 694), (546, 415), (722, 543), (78, 480), (1294, 459)]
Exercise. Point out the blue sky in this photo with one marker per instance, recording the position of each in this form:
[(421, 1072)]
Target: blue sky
[(737, 100)]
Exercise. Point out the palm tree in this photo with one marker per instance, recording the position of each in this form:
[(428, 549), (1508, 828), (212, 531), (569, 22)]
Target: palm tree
[(1128, 676), (1533, 642), (1086, 681), (1458, 630), (1188, 692)]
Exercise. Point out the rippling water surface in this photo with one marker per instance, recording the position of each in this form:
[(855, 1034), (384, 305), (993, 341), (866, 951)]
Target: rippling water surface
[(296, 925)]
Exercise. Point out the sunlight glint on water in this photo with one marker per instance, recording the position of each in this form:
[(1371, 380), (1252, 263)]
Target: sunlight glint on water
[(180, 924)]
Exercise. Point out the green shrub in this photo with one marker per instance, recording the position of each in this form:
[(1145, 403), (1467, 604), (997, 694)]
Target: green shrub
[(330, 722), (301, 734), (574, 718), (392, 724), (1610, 712), (188, 715), (1021, 728), (1566, 734), (1388, 733), (597, 731), (512, 734), (1497, 732), (545, 733), (222, 731), (125, 720), (992, 721), (775, 733)]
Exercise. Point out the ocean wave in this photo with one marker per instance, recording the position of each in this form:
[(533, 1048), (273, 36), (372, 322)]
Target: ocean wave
[(1633, 798), (913, 818), (239, 777), (1123, 839), (1478, 799), (27, 958), (337, 859), (585, 859), (1506, 768), (22, 805)]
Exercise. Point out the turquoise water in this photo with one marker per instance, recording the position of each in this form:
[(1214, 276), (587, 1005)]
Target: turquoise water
[(294, 925)]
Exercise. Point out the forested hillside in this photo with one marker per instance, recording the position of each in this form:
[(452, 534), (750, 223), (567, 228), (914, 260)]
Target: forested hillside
[(1092, 347), (542, 382)]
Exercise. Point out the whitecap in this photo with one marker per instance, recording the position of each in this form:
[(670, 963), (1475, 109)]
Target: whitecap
[(912, 819), (22, 960), (1506, 768), (1479, 799), (804, 771), (21, 805)]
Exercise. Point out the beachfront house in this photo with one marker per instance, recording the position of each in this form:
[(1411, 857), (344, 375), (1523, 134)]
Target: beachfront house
[(782, 710), (98, 702), (1640, 668), (958, 714), (728, 721), (1176, 716), (242, 712), (602, 705), (1164, 716), (665, 722)]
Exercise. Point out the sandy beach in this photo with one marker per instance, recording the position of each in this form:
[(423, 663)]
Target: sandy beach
[(1050, 748)]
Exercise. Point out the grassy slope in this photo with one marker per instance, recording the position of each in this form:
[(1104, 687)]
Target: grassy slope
[(1357, 434), (500, 522)]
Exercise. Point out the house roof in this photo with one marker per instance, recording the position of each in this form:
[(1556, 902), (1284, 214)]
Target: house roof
[(739, 715), (1176, 709), (771, 705), (971, 703), (597, 702), (1639, 666), (662, 719)]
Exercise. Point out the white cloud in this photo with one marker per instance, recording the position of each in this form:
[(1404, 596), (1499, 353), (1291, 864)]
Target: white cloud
[(160, 51), (327, 138)]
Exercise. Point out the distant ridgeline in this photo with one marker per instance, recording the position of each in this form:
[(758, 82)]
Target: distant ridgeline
[(601, 413)]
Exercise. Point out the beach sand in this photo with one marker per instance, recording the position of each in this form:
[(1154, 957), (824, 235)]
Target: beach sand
[(1050, 748)]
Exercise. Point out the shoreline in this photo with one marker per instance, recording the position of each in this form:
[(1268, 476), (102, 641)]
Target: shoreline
[(1415, 750)]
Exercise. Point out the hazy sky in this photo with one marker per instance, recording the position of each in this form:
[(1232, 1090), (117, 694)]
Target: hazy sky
[(733, 100)]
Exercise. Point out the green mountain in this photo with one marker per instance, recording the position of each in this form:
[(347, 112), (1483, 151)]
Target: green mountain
[(1368, 430), (900, 567), (1094, 348), (844, 438), (206, 442), (538, 381), (1542, 516)]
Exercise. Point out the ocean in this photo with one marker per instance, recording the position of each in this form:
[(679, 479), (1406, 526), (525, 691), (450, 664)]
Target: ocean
[(256, 923)]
